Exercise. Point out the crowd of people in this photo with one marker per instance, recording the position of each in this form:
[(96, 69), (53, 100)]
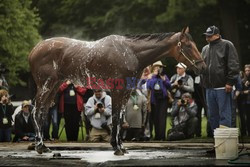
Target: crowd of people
[(221, 90)]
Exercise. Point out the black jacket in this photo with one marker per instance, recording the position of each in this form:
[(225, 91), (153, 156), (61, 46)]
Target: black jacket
[(21, 127), (222, 64), (8, 114)]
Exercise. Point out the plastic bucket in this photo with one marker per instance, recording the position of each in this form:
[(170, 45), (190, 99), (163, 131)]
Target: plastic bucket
[(226, 143)]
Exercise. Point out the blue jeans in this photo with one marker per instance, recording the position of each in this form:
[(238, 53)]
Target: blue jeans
[(52, 116), (5, 135), (219, 105)]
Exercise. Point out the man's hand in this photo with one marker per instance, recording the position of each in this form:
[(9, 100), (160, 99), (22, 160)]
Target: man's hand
[(179, 103), (68, 82), (102, 110), (246, 91), (228, 88), (95, 107), (25, 138), (163, 77)]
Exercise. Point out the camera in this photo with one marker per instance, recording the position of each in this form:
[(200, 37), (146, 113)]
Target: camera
[(99, 105), (183, 102), (180, 82), (160, 71)]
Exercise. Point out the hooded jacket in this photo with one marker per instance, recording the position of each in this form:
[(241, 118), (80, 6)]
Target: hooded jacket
[(105, 117), (222, 64)]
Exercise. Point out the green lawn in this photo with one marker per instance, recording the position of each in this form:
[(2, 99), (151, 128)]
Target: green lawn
[(203, 138), (82, 129)]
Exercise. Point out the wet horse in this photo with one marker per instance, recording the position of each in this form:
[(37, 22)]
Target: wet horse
[(54, 60)]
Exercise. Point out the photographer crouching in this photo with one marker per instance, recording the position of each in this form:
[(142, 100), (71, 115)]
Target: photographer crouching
[(98, 110), (184, 118)]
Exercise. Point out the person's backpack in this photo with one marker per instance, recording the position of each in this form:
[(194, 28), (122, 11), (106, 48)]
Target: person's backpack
[(176, 133), (158, 91)]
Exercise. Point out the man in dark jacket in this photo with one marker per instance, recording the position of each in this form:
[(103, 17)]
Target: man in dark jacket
[(24, 129), (222, 62)]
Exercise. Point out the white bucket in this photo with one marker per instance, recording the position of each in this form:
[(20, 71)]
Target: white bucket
[(226, 143)]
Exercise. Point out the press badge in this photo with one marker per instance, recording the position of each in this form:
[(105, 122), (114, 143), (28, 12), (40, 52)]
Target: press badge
[(197, 80), (72, 93), (5, 121), (135, 107)]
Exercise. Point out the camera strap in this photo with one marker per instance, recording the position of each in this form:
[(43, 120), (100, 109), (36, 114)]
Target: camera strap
[(102, 100)]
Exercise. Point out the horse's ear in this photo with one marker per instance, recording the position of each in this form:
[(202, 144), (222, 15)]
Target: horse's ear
[(185, 30)]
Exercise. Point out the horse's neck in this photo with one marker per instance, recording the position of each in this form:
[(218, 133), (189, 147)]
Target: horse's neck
[(151, 51)]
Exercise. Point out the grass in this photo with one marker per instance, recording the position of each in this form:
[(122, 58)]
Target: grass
[(203, 137)]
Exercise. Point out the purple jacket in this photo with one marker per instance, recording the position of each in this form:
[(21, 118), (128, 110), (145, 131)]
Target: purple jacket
[(163, 84)]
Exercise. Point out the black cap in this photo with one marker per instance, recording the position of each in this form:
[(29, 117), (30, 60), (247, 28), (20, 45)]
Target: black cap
[(212, 30)]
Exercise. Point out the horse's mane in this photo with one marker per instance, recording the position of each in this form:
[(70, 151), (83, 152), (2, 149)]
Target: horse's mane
[(157, 36)]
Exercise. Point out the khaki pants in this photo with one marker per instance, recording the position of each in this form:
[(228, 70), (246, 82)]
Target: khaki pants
[(97, 135)]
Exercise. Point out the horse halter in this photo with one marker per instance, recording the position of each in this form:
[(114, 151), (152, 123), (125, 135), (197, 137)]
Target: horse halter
[(192, 62)]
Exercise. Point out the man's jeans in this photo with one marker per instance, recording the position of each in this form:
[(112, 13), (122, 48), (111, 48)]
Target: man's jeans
[(219, 107), (52, 116)]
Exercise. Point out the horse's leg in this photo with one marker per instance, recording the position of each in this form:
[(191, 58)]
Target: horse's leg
[(43, 100), (115, 138), (38, 116), (117, 107)]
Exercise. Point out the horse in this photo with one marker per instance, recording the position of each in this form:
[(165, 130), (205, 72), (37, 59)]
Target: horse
[(54, 60)]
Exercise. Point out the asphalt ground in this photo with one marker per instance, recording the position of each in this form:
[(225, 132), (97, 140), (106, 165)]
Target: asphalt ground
[(101, 154)]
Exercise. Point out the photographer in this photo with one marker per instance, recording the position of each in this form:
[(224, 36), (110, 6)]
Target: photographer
[(158, 85), (245, 96), (98, 109), (184, 116), (6, 111), (181, 82)]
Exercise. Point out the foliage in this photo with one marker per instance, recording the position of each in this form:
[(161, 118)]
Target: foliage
[(18, 34), (93, 19)]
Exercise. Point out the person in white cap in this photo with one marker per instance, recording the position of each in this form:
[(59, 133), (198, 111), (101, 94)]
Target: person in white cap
[(181, 82)]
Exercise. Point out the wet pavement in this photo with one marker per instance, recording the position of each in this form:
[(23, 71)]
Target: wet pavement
[(101, 154)]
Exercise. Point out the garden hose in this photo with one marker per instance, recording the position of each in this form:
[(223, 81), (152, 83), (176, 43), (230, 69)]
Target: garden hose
[(234, 161)]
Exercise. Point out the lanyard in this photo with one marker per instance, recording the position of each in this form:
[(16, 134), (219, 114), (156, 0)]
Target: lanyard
[(4, 109), (134, 99)]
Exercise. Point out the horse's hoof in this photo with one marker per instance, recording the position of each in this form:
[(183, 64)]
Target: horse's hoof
[(46, 149), (124, 151), (118, 152), (41, 148)]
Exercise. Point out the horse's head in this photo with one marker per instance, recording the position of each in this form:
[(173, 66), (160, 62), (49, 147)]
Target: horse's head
[(186, 51)]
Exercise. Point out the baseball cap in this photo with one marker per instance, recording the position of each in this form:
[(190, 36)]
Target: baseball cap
[(212, 30), (26, 103), (181, 65)]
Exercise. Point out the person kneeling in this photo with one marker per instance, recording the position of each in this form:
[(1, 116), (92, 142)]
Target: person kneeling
[(184, 118), (24, 129), (98, 110)]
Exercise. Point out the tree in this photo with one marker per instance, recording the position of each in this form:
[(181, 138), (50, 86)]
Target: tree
[(94, 19), (18, 34)]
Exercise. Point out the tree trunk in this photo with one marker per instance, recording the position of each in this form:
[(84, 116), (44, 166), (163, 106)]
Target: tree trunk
[(229, 27)]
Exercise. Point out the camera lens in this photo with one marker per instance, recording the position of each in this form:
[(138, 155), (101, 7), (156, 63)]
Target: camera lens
[(99, 105), (180, 82)]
